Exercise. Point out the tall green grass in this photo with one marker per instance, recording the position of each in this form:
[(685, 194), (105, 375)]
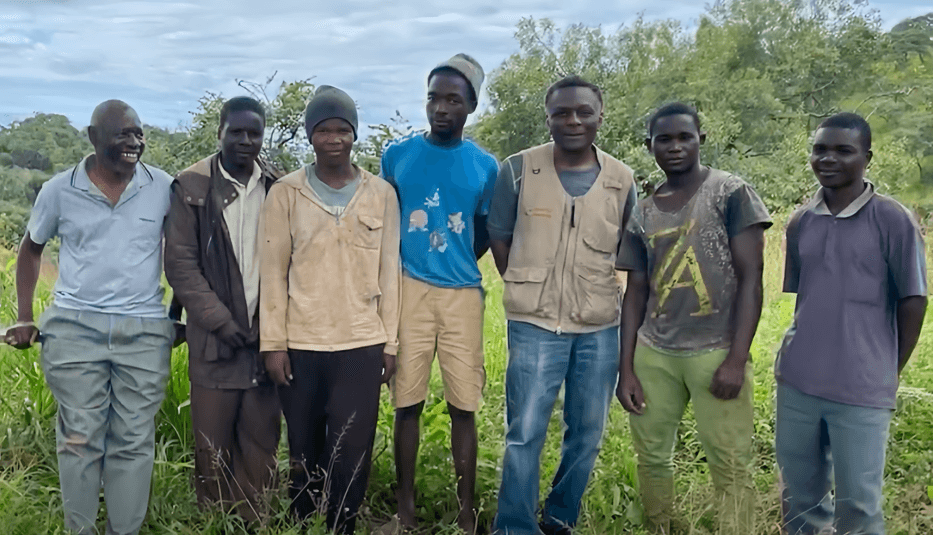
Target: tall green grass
[(30, 503)]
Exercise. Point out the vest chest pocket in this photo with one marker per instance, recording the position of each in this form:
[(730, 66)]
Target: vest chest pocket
[(523, 289)]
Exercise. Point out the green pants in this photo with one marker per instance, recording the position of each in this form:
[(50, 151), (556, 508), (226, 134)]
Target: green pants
[(725, 430)]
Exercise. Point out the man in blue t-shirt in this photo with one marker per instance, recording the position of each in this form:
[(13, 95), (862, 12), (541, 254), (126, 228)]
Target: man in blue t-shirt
[(444, 185)]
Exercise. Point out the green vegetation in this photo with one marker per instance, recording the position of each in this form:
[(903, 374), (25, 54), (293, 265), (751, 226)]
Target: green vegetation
[(30, 502), (762, 73)]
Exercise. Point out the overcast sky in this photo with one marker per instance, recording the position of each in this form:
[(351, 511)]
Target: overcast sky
[(161, 56)]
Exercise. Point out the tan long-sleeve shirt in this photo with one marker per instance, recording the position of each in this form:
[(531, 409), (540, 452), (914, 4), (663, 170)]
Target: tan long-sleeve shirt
[(329, 283)]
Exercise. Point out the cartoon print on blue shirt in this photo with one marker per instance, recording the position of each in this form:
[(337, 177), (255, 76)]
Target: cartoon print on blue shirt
[(455, 222), (438, 241), (418, 221), (433, 200)]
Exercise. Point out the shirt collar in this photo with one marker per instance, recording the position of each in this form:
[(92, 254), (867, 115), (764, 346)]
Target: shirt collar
[(820, 208), (81, 181), (250, 184)]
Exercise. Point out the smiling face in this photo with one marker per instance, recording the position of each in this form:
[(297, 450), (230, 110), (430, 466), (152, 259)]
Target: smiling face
[(332, 140), (675, 143), (118, 140), (838, 158), (241, 139), (449, 104), (574, 115)]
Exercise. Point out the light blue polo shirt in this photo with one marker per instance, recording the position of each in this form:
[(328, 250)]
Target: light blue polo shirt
[(110, 259)]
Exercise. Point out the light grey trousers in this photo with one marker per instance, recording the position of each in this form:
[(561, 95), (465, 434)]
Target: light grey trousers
[(107, 373)]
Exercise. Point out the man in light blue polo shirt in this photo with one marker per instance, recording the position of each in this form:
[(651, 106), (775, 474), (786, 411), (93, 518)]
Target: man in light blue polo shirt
[(106, 339)]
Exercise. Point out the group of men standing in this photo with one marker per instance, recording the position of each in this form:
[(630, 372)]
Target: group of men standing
[(305, 293)]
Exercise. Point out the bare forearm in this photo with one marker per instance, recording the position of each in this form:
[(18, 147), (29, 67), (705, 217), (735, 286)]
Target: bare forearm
[(748, 301), (28, 263), (910, 313), (634, 306), (500, 253)]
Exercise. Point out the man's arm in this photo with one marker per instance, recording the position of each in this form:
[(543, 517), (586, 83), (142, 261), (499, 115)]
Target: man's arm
[(634, 306), (275, 249), (747, 249), (480, 236), (28, 263), (183, 272), (910, 313), (390, 281), (500, 253)]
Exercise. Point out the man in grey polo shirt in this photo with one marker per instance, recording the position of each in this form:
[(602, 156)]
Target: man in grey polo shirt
[(106, 340), (855, 259)]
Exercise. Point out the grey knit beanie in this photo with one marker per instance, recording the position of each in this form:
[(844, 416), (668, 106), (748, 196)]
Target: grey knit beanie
[(468, 67), (329, 102)]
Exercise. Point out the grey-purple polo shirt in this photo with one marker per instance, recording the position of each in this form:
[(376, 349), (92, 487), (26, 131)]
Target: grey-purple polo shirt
[(849, 271)]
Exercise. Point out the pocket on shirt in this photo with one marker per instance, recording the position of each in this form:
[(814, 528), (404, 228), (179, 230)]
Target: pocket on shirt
[(147, 234), (368, 233), (598, 296)]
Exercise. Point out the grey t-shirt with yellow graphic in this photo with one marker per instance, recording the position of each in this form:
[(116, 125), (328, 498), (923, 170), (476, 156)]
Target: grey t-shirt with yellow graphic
[(688, 260)]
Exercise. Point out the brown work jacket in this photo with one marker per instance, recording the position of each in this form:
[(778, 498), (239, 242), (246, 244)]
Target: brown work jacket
[(202, 269)]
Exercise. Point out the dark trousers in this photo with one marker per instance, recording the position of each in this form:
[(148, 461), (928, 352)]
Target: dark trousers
[(236, 436), (331, 408)]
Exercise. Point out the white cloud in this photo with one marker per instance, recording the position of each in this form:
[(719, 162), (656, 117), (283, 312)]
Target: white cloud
[(162, 56)]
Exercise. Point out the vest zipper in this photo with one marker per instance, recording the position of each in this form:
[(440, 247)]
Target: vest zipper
[(563, 271)]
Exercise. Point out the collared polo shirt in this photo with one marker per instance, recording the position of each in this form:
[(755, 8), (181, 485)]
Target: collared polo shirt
[(849, 271), (242, 218), (110, 259)]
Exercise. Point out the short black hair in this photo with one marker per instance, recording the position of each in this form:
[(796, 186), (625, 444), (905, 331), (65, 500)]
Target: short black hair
[(850, 120), (236, 104), (674, 108), (450, 70), (573, 80)]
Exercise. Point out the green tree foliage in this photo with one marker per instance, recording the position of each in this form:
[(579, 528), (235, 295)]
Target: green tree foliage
[(46, 138), (762, 73)]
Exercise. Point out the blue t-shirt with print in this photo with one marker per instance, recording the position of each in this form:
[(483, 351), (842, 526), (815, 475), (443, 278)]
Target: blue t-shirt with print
[(440, 190)]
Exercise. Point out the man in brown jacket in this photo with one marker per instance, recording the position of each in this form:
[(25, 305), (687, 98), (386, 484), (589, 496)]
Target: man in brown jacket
[(212, 263)]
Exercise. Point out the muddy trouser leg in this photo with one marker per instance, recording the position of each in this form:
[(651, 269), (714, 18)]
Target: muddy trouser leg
[(654, 432)]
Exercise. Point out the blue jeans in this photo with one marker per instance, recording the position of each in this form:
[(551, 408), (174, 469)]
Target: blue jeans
[(818, 440), (539, 362)]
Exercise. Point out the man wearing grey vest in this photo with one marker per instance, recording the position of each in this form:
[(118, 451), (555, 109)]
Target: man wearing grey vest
[(555, 225)]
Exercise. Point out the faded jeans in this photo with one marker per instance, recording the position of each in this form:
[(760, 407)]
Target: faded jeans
[(540, 361), (107, 373), (818, 441)]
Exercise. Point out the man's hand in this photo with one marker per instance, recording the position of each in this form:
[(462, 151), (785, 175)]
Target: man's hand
[(388, 367), (279, 367), (729, 377), (231, 334), (180, 333), (22, 335), (629, 393)]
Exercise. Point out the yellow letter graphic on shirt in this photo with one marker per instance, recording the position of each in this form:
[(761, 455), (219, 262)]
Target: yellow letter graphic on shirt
[(685, 273)]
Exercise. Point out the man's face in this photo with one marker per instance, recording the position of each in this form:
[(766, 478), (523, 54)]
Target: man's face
[(675, 143), (838, 159), (574, 115), (118, 141), (449, 104), (241, 138), (332, 140)]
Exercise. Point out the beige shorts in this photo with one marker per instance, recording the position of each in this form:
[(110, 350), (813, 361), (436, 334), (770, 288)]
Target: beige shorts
[(450, 322)]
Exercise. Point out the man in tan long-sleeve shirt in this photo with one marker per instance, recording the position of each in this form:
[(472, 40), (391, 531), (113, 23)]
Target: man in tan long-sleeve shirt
[(329, 305)]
